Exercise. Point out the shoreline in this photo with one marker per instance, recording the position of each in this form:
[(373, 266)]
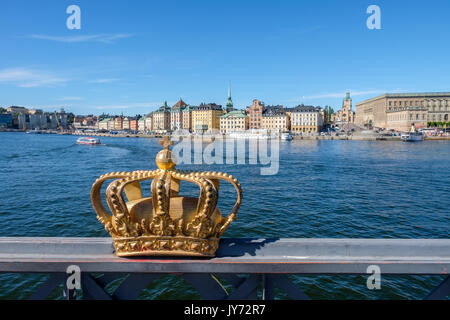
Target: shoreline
[(206, 137)]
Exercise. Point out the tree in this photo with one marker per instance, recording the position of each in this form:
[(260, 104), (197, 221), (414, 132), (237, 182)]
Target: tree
[(2, 110), (330, 111)]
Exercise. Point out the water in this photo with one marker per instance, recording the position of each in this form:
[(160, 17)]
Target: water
[(332, 189)]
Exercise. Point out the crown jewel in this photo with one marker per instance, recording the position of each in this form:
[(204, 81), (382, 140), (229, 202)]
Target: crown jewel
[(163, 223)]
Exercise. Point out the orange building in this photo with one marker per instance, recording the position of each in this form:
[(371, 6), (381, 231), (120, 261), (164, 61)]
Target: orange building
[(255, 112)]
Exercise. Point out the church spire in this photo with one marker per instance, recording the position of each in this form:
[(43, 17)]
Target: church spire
[(229, 101)]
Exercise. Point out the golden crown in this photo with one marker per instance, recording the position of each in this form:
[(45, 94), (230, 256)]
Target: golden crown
[(165, 223)]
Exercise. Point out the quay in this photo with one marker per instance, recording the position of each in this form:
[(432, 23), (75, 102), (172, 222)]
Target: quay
[(251, 266)]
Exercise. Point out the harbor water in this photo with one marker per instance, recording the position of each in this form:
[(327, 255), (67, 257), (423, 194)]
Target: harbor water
[(323, 189)]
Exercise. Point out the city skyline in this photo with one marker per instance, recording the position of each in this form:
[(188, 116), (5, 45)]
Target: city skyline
[(130, 59)]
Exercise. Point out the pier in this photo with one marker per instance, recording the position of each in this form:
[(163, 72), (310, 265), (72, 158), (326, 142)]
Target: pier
[(254, 267)]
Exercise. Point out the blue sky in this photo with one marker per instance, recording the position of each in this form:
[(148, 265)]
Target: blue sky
[(130, 56)]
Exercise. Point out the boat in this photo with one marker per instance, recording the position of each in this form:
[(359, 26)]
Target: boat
[(286, 136), (412, 135), (34, 131), (88, 141)]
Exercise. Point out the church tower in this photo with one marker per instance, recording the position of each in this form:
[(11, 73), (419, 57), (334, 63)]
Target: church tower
[(347, 113), (229, 101)]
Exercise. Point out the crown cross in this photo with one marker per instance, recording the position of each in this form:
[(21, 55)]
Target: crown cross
[(166, 142)]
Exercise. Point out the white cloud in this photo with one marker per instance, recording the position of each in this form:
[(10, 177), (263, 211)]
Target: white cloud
[(105, 38), (70, 99), (28, 78), (107, 80)]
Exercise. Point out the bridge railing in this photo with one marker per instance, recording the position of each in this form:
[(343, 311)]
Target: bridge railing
[(264, 262)]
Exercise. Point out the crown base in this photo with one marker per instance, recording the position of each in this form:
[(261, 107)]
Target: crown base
[(165, 246)]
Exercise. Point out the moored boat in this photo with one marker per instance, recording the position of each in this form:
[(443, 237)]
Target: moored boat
[(88, 141), (412, 135), (286, 136)]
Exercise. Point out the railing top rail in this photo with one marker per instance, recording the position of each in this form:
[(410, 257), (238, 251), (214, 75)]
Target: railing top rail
[(320, 256)]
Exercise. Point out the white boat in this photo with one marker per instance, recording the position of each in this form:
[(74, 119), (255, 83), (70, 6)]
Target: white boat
[(34, 131), (88, 141), (286, 136), (412, 136)]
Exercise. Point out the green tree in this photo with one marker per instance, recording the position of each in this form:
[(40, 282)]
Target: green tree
[(2, 110)]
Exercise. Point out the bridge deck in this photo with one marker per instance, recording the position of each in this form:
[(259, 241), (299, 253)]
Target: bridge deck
[(289, 256)]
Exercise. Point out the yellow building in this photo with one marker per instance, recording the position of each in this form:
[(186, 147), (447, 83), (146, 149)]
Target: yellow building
[(206, 117), (234, 121), (306, 119), (276, 121), (398, 111)]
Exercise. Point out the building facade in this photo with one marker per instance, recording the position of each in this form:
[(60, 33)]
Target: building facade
[(161, 118), (400, 111), (206, 117), (276, 120), (233, 121), (306, 119), (255, 112), (134, 124), (118, 123), (176, 115), (149, 122), (187, 118), (104, 124), (346, 114)]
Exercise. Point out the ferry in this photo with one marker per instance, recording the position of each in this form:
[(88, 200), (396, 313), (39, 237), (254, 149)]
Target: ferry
[(88, 141), (412, 135)]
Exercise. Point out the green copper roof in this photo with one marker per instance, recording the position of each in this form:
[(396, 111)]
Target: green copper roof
[(234, 114)]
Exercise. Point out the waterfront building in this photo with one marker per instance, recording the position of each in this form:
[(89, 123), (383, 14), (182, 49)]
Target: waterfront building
[(161, 118), (103, 124), (306, 119), (118, 123), (6, 120), (255, 112), (134, 124), (141, 124), (187, 118), (149, 122), (346, 114), (126, 123), (176, 115), (78, 122), (276, 119), (38, 119), (206, 117), (16, 109), (234, 121), (398, 111), (111, 124), (82, 122)]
